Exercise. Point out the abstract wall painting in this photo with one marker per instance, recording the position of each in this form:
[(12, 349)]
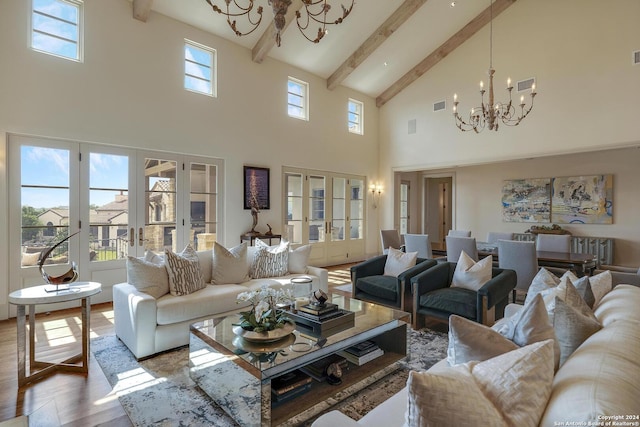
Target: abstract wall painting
[(526, 200), (583, 199)]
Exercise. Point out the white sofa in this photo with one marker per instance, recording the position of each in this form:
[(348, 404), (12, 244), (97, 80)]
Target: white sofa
[(147, 325), (601, 378)]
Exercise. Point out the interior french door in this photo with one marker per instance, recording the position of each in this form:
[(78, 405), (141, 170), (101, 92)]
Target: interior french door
[(325, 210)]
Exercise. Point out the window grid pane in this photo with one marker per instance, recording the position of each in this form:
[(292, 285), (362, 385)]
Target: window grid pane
[(199, 68), (55, 28), (297, 99), (355, 116)]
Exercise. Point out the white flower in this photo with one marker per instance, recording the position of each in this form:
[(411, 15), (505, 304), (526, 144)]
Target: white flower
[(261, 308)]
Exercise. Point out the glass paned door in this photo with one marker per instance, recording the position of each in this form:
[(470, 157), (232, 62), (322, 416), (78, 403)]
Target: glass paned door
[(108, 207), (339, 208), (160, 201), (203, 205), (294, 211), (356, 211), (45, 200), (317, 213)]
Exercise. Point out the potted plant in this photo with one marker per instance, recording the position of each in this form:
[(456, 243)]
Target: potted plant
[(266, 320)]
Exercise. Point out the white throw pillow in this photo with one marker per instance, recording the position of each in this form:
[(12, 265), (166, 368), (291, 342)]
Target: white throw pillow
[(299, 259), (229, 265), (508, 390), (601, 284), (270, 261), (471, 341), (184, 272), (543, 280), (470, 274), (398, 261), (148, 277)]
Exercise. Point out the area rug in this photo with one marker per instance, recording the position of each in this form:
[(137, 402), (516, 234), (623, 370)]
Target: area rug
[(159, 391)]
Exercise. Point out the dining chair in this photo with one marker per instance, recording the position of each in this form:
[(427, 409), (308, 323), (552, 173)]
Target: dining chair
[(418, 243), (520, 257), (554, 243), (459, 233), (390, 238), (494, 236), (455, 245)]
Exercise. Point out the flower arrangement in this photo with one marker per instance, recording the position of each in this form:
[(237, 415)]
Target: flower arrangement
[(264, 315)]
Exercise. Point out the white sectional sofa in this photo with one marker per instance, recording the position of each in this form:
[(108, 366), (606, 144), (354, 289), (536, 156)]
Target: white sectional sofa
[(147, 325), (600, 379)]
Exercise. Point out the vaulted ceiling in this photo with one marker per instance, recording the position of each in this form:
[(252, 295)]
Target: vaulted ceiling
[(379, 49)]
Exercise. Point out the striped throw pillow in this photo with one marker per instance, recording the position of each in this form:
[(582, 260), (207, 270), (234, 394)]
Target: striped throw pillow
[(184, 272), (270, 261)]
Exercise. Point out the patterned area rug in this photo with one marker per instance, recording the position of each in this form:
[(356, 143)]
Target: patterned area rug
[(159, 392)]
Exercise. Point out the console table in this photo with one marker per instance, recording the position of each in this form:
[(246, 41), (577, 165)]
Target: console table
[(601, 247), (251, 237), (38, 295)]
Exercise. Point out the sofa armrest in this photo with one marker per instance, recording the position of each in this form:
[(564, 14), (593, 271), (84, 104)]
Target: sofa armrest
[(496, 290), (371, 267), (334, 419), (422, 265), (135, 318), (323, 276)]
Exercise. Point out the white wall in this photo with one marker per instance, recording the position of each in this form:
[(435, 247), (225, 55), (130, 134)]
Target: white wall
[(580, 52), (479, 195), (128, 92)]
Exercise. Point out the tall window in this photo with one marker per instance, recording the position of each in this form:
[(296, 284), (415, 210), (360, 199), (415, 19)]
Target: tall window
[(356, 109), (56, 28), (199, 68), (298, 99)]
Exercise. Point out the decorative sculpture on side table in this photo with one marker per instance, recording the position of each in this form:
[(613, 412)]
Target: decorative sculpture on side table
[(61, 282)]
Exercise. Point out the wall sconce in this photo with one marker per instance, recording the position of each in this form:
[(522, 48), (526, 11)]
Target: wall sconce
[(375, 190)]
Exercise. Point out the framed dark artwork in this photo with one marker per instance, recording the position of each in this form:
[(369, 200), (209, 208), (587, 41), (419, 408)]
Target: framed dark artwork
[(256, 188)]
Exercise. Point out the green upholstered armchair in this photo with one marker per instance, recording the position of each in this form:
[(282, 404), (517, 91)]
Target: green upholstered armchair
[(433, 295), (369, 284)]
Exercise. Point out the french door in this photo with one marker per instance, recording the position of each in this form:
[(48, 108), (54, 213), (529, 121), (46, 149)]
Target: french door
[(121, 202), (325, 210)]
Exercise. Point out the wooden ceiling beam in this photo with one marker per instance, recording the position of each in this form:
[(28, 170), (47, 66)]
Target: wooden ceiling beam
[(445, 49), (268, 39), (384, 31), (142, 9)]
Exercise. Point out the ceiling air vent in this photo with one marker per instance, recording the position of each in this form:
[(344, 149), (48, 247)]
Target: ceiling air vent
[(412, 126), (523, 85), (636, 57), (439, 106)]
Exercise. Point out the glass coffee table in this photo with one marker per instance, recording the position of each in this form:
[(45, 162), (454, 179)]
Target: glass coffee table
[(237, 374)]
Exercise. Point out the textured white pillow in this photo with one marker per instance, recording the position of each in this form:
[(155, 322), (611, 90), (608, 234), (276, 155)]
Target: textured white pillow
[(270, 261), (229, 265), (469, 341), (508, 390), (299, 259), (184, 272), (470, 274), (542, 281), (583, 286), (398, 261), (148, 277), (601, 284), (530, 325)]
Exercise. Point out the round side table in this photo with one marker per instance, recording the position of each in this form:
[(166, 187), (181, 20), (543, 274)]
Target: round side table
[(39, 295)]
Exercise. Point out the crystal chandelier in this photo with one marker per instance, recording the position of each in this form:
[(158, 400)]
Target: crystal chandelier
[(490, 114), (315, 11)]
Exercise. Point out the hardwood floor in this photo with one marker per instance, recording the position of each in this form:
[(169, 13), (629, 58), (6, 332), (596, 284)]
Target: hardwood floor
[(74, 399)]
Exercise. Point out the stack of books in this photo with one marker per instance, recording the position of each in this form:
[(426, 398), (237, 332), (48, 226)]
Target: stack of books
[(289, 385), (318, 369), (362, 353), (323, 320)]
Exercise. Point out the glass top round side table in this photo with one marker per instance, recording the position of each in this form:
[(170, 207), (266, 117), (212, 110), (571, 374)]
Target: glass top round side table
[(38, 295)]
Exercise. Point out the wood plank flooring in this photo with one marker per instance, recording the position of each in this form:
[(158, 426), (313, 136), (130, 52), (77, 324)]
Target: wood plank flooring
[(74, 399)]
